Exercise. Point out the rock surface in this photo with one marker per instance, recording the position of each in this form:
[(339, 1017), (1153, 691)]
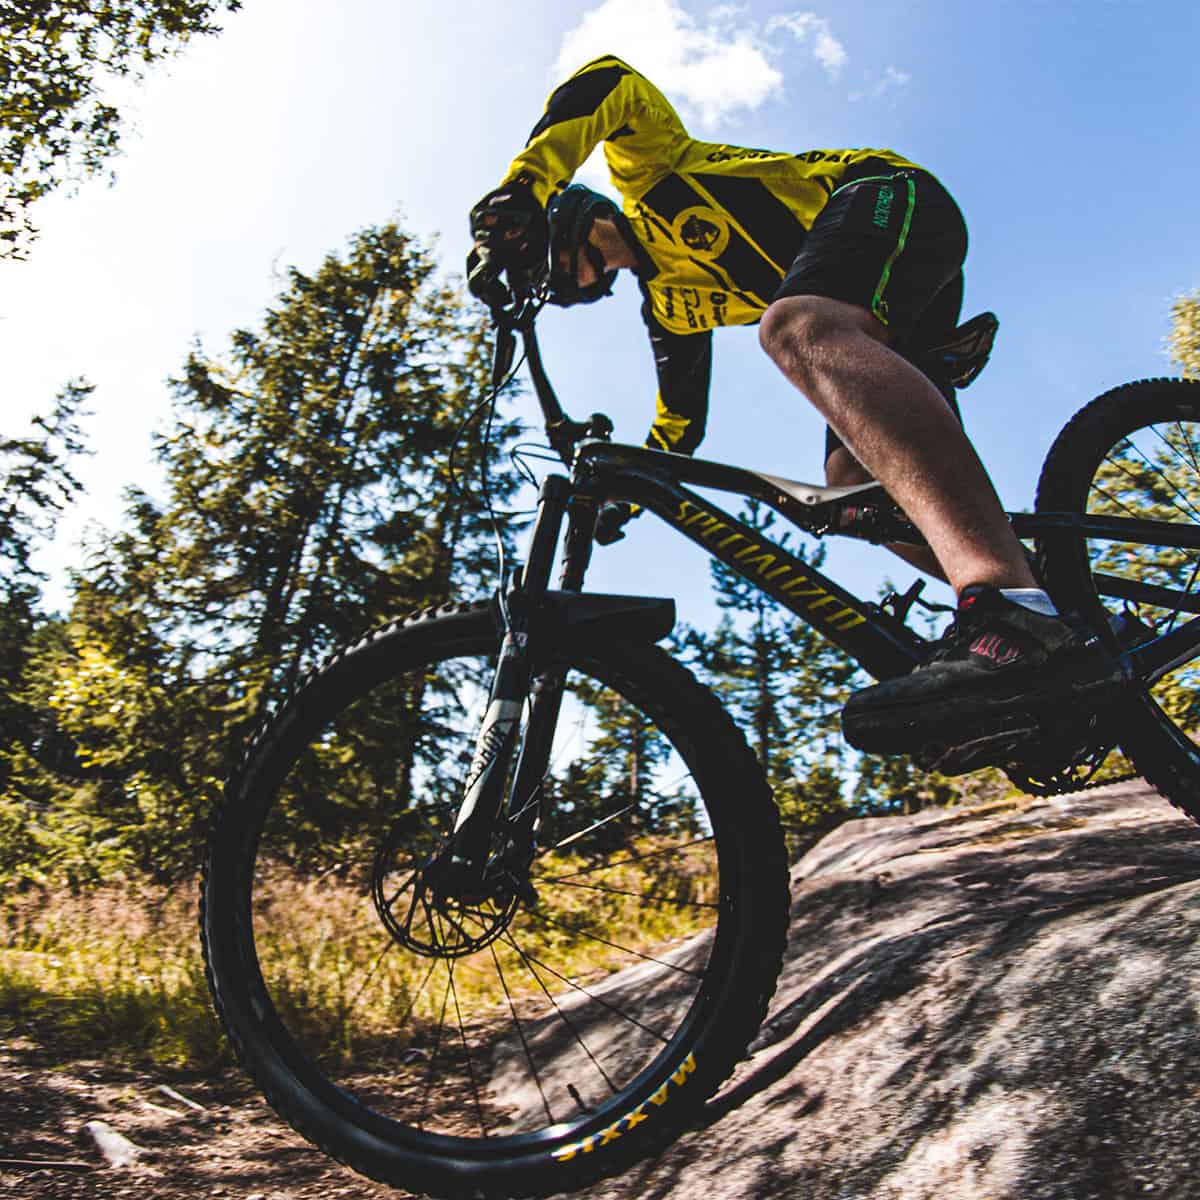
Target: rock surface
[(996, 1003)]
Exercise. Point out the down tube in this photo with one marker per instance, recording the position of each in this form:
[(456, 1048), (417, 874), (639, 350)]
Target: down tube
[(876, 641)]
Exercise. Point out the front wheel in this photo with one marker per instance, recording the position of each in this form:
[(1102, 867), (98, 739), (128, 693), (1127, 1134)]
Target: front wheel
[(1133, 455), (523, 1042)]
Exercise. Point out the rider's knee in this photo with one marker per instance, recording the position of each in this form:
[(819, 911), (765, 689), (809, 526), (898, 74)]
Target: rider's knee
[(789, 327), (798, 332), (842, 469)]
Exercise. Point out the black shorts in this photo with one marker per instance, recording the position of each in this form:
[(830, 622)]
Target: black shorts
[(892, 242)]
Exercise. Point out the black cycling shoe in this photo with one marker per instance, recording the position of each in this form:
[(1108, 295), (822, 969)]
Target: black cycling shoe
[(999, 674)]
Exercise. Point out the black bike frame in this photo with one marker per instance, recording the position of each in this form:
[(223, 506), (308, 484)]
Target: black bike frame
[(875, 638), (878, 640)]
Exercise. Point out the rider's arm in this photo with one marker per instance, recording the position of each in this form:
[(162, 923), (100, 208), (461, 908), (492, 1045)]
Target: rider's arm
[(605, 101), (684, 366)]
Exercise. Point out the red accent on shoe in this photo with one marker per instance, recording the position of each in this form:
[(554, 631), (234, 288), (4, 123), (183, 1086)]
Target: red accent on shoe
[(993, 646)]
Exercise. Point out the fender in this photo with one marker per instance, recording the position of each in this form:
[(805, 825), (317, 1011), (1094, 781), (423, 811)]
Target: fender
[(630, 618)]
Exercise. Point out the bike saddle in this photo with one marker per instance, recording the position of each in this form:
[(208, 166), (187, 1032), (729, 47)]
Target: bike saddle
[(960, 359)]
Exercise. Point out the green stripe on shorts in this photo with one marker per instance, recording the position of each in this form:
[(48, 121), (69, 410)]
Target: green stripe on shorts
[(878, 304)]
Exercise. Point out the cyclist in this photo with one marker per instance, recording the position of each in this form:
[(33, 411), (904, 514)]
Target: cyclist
[(851, 263)]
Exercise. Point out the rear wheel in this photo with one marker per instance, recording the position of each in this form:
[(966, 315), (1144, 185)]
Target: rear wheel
[(522, 1042), (1133, 454)]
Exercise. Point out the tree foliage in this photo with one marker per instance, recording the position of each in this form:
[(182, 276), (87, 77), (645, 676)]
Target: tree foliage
[(36, 485), (308, 495), (1184, 339), (56, 56)]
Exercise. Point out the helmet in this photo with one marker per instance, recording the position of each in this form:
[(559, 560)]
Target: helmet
[(571, 215)]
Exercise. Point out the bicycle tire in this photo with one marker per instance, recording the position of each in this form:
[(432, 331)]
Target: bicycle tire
[(366, 1129), (1134, 451)]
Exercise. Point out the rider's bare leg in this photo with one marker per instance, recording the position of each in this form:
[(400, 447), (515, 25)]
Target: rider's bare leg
[(902, 431), (842, 469)]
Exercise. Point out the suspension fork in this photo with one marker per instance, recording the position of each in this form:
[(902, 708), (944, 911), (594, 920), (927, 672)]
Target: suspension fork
[(461, 865), (527, 798)]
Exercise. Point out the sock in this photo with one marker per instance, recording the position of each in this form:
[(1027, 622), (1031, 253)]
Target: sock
[(1033, 599)]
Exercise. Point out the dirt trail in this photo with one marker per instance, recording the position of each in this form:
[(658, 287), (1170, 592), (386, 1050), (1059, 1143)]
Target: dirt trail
[(236, 1149)]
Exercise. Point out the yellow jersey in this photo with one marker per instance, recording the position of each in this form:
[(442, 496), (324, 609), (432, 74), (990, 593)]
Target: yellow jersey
[(718, 225)]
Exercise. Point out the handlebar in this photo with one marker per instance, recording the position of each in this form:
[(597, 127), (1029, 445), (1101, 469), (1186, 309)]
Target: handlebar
[(514, 306)]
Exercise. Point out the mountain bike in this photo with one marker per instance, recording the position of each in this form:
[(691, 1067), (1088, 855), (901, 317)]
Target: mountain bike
[(462, 953)]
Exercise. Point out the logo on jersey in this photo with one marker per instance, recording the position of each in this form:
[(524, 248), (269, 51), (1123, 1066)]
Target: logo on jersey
[(702, 230)]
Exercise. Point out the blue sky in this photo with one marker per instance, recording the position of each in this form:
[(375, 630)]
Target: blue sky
[(1067, 131)]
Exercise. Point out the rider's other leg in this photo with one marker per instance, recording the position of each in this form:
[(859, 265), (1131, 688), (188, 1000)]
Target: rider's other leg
[(842, 469), (899, 427)]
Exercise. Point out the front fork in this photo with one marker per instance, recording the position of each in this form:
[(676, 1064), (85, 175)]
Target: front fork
[(525, 673)]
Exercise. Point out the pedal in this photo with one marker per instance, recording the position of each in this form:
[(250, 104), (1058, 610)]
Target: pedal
[(993, 750)]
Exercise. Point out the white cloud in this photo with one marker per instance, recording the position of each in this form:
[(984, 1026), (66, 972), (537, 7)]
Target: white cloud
[(714, 68), (810, 28), (891, 81)]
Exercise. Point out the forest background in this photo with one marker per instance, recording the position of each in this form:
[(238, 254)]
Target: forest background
[(296, 485)]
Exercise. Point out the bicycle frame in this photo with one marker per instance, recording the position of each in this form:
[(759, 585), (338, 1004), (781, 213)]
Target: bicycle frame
[(873, 637)]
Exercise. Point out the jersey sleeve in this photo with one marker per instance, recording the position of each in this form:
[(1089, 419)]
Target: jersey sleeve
[(684, 366), (608, 102)]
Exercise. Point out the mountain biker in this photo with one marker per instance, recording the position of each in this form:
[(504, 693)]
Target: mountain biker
[(850, 261)]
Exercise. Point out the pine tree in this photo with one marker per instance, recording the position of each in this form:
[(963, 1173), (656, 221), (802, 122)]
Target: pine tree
[(36, 486), (308, 496), (1184, 339)]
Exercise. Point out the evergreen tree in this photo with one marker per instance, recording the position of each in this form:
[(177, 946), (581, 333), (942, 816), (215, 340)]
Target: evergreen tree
[(1184, 339), (785, 685), (36, 485), (621, 770), (308, 496)]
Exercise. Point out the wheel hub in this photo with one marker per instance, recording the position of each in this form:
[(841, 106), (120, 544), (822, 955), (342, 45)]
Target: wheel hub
[(443, 907)]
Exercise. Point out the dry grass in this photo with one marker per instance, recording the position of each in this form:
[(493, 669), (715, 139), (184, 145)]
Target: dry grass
[(118, 972), (114, 971)]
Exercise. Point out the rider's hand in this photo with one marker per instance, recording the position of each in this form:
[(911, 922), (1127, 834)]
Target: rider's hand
[(483, 279), (509, 228)]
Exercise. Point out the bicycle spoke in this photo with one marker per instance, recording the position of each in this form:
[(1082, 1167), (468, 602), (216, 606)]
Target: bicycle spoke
[(574, 837), (595, 937), (437, 1044), (372, 972), (467, 1052), (597, 999), (648, 896), (537, 1079), (1187, 591), (1132, 512), (418, 992), (529, 961), (401, 890), (633, 858), (1190, 458), (1157, 469)]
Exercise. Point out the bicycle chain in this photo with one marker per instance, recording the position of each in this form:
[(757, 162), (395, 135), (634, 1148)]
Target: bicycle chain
[(1066, 787)]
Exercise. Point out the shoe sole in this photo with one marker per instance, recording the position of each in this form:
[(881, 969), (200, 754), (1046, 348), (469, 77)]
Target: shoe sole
[(909, 726)]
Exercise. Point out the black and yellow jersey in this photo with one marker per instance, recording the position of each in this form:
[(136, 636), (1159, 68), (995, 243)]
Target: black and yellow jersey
[(717, 226)]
